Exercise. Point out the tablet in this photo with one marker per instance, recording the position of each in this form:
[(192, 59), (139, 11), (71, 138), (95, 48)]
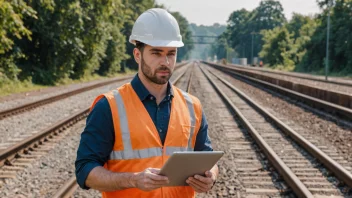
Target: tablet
[(182, 165)]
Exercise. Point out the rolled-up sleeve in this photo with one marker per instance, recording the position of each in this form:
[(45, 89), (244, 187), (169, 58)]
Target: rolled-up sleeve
[(203, 142), (97, 141)]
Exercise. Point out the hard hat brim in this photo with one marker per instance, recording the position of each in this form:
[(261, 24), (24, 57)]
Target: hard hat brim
[(161, 43)]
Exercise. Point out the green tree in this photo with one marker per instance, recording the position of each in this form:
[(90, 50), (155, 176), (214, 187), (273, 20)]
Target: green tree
[(244, 26), (341, 37), (286, 46), (278, 47), (340, 52), (12, 27), (102, 25), (238, 32), (116, 48), (71, 39), (294, 26), (268, 15), (302, 38)]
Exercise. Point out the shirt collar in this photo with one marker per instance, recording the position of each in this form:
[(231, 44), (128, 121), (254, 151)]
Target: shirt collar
[(143, 92)]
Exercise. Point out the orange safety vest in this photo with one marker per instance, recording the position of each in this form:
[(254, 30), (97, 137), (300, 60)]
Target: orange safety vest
[(137, 143)]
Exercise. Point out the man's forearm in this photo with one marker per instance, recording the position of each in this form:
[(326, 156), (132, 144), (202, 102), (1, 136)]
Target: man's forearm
[(104, 180)]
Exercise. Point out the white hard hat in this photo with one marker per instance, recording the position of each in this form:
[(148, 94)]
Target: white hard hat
[(158, 28)]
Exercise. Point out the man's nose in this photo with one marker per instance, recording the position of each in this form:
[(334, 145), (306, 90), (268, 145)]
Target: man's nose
[(165, 61)]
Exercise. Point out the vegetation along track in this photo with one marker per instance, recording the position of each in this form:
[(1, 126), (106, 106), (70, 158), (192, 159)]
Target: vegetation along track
[(32, 105), (306, 169)]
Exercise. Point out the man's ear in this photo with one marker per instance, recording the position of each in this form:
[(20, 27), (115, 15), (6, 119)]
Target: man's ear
[(137, 55)]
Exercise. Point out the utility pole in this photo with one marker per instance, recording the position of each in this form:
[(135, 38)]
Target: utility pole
[(327, 41), (253, 33), (252, 48), (244, 49)]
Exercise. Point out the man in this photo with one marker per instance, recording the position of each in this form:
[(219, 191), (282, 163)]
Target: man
[(132, 131)]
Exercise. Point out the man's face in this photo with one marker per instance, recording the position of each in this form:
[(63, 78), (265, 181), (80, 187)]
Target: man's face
[(158, 63)]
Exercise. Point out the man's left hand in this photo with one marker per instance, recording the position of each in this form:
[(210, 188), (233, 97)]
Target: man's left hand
[(202, 184)]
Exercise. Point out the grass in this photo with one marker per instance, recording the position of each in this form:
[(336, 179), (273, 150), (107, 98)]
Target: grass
[(8, 87)]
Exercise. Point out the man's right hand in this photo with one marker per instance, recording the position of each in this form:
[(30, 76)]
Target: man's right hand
[(149, 179)]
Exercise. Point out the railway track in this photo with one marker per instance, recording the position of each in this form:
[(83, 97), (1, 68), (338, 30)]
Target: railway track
[(329, 107), (22, 154), (302, 165), (31, 105)]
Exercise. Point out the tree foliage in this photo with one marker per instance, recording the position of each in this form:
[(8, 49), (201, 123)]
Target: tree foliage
[(12, 27), (285, 46), (299, 44), (278, 47), (309, 39), (49, 40), (244, 27), (340, 50)]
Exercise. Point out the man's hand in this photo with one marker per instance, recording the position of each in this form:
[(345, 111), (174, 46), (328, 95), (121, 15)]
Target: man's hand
[(149, 179), (202, 184)]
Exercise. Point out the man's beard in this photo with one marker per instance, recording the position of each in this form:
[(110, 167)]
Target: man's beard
[(146, 69)]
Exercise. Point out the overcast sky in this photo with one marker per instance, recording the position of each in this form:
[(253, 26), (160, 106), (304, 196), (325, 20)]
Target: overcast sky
[(208, 12)]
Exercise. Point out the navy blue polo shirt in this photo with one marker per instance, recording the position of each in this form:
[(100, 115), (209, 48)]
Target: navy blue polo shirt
[(98, 137)]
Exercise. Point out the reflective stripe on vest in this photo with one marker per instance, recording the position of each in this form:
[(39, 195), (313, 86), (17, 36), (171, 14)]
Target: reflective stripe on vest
[(191, 115), (128, 152)]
